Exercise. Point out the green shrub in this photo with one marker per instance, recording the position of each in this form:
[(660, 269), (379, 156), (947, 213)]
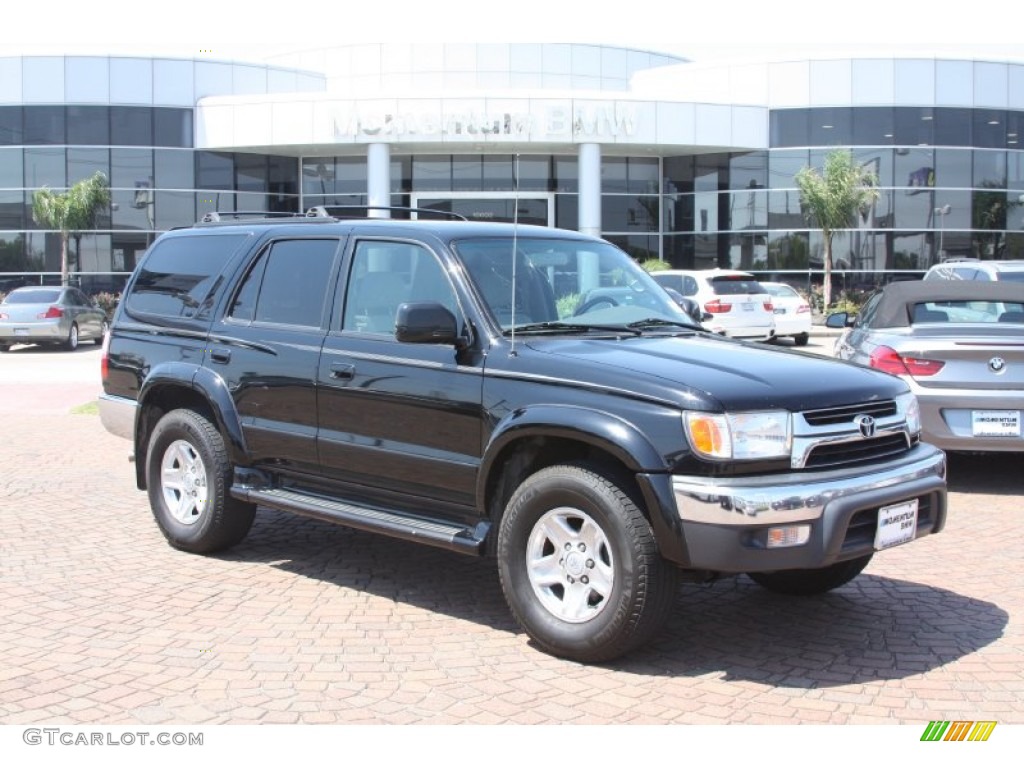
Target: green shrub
[(655, 265), (567, 305), (108, 302)]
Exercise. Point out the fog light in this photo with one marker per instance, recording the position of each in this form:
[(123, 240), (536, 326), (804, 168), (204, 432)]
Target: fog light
[(788, 536)]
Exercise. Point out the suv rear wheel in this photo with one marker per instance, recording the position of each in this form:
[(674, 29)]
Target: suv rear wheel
[(580, 567), (188, 476)]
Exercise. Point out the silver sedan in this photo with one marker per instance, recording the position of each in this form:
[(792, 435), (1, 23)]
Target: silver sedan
[(45, 315), (960, 347)]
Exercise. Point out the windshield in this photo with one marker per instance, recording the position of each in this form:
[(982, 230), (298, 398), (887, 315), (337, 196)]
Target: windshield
[(553, 280)]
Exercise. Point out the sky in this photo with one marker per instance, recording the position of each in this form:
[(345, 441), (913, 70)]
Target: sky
[(703, 31)]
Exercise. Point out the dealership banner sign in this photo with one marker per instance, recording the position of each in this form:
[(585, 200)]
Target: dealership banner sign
[(563, 121)]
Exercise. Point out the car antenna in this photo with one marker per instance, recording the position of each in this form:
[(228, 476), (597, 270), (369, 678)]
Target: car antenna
[(515, 246)]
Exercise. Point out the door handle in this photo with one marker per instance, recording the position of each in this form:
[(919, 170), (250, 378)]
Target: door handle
[(220, 355), (342, 371)]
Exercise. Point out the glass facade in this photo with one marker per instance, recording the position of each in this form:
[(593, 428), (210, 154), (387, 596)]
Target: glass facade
[(951, 183), (157, 182)]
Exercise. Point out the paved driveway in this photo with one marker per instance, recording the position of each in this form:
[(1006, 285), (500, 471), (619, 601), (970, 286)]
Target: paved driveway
[(102, 622)]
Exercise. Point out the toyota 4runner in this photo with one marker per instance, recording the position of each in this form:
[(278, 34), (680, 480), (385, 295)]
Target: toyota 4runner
[(523, 393)]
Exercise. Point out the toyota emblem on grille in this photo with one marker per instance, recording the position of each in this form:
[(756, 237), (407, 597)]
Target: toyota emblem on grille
[(996, 364), (866, 424)]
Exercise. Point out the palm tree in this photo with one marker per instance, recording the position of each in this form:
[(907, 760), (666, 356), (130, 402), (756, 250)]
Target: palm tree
[(70, 211), (832, 197)]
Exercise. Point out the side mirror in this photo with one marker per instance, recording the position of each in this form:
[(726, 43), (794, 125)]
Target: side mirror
[(840, 320), (426, 322)]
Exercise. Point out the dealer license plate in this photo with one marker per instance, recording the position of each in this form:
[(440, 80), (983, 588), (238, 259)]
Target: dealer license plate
[(995, 423), (21, 331), (747, 306), (897, 524)]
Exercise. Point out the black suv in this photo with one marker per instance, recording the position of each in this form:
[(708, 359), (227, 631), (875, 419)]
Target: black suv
[(524, 393)]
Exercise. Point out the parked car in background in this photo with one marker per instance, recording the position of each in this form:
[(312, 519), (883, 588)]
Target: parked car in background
[(739, 306), (689, 306), (976, 269), (792, 312), (960, 347), (50, 315)]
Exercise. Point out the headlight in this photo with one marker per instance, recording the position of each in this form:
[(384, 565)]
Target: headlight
[(911, 412), (764, 435)]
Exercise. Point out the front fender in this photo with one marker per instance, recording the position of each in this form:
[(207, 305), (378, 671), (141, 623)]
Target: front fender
[(600, 429), (606, 432)]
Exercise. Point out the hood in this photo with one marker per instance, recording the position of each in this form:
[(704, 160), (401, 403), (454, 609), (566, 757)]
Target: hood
[(715, 373)]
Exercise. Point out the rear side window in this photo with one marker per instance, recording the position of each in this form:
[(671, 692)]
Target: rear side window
[(178, 274), (732, 286), (287, 285)]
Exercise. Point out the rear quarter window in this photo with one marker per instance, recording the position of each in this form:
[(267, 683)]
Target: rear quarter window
[(669, 281), (178, 274)]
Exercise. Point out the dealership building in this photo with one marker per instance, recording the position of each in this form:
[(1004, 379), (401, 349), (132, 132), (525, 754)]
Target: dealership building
[(690, 162)]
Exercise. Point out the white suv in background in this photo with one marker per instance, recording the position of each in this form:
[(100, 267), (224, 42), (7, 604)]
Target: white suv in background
[(976, 269), (792, 312), (738, 304)]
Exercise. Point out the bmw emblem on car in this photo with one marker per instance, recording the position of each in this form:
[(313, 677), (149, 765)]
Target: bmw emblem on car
[(866, 424), (996, 364)]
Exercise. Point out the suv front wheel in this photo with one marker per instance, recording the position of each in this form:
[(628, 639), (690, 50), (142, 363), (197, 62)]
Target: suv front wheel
[(580, 567), (188, 476)]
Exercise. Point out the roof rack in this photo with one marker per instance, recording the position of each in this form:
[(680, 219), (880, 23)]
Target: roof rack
[(360, 211), (215, 216)]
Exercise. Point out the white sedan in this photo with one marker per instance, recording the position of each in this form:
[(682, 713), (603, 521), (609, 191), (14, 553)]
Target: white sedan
[(792, 312)]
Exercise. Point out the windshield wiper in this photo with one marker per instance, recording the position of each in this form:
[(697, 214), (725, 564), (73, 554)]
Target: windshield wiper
[(658, 322), (558, 326), (635, 328)]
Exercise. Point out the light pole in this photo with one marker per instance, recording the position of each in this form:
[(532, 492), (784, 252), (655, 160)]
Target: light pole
[(942, 212)]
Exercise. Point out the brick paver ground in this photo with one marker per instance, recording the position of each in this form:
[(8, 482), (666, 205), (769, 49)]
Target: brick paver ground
[(102, 622)]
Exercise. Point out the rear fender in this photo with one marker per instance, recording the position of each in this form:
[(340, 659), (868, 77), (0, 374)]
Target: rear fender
[(194, 386)]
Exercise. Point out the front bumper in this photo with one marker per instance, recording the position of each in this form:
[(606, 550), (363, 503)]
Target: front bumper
[(723, 521)]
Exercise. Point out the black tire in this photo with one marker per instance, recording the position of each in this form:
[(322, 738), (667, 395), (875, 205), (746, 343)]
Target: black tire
[(186, 457), (5, 348), (588, 608), (104, 329), (71, 343), (811, 581), (801, 339)]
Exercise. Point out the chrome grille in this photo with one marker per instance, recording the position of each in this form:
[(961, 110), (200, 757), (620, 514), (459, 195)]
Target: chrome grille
[(828, 438), (856, 451), (846, 413)]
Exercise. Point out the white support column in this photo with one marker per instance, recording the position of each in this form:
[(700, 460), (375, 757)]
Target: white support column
[(590, 189), (378, 178)]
